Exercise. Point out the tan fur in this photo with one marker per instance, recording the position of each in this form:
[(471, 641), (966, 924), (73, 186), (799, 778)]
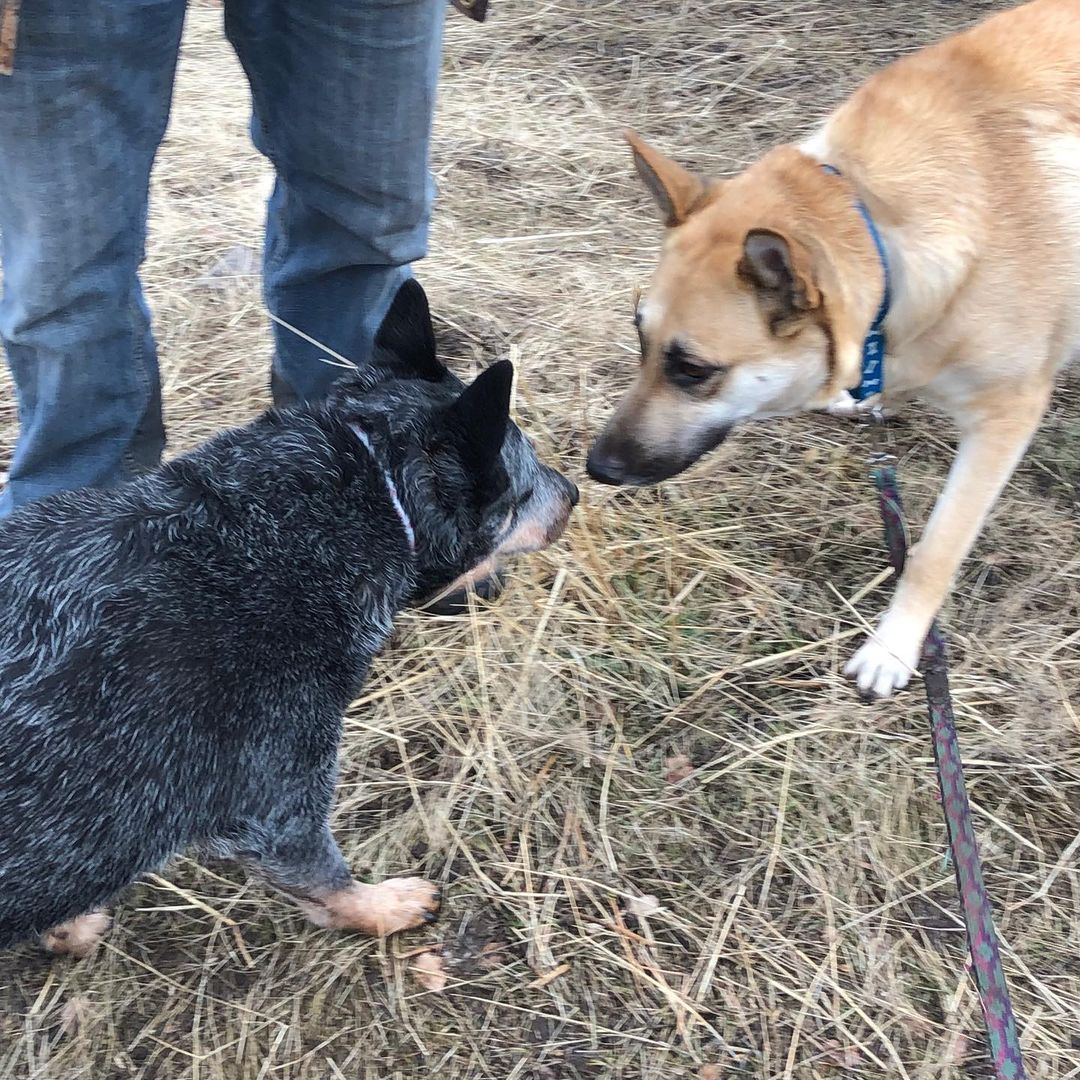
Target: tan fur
[(77, 937), (532, 534), (387, 908), (967, 154)]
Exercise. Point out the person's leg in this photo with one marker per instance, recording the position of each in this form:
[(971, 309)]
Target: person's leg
[(343, 101), (81, 118)]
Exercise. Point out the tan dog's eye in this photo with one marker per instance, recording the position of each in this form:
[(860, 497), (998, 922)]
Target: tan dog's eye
[(683, 370)]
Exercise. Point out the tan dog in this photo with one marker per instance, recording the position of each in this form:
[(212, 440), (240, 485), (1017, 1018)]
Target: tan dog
[(967, 157)]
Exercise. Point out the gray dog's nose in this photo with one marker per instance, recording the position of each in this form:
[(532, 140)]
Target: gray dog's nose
[(572, 492), (605, 465)]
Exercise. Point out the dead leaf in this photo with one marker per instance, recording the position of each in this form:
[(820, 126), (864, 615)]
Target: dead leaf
[(643, 906), (550, 976), (74, 1014), (852, 1059), (844, 1057), (491, 956), (430, 972), (957, 1051), (677, 767)]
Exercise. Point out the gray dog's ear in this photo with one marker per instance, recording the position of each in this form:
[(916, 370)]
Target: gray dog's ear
[(407, 333), (480, 417)]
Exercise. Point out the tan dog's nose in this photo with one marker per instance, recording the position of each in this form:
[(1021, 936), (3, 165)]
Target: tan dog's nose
[(605, 464)]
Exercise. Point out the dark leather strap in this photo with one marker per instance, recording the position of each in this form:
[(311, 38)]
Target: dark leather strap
[(9, 28), (475, 9)]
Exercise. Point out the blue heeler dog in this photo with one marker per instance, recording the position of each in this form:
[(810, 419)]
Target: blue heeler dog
[(176, 654)]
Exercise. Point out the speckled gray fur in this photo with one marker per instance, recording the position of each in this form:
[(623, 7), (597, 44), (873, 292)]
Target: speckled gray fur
[(176, 654)]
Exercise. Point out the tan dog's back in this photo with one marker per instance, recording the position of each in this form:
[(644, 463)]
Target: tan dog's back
[(969, 153)]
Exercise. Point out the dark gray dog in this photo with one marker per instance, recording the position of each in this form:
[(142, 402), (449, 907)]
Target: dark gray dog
[(176, 654)]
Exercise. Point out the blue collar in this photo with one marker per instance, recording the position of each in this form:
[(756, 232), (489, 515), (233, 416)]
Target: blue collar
[(873, 350)]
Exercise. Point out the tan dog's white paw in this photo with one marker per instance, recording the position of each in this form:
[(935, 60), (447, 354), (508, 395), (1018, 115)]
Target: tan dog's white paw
[(884, 664), (845, 405), (77, 937)]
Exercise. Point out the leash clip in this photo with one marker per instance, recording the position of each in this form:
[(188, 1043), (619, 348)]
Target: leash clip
[(881, 452), (881, 462)]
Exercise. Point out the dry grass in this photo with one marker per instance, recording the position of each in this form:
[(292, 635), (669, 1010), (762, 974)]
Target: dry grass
[(804, 919)]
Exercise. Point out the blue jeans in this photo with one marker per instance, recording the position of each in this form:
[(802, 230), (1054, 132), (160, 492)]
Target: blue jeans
[(343, 93)]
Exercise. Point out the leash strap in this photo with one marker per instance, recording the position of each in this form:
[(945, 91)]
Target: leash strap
[(9, 32), (978, 914), (873, 352), (974, 902)]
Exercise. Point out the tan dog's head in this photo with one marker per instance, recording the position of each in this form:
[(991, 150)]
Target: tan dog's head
[(743, 319)]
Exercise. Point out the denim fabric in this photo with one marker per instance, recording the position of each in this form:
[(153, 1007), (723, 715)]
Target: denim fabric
[(343, 94)]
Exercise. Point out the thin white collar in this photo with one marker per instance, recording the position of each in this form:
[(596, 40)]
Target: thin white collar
[(391, 487)]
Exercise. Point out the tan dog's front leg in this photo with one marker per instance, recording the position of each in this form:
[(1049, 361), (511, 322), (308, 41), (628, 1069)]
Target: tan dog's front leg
[(989, 452)]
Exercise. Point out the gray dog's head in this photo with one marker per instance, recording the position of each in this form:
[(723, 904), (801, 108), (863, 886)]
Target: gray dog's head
[(468, 478)]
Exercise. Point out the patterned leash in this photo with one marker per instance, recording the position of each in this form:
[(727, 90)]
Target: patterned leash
[(978, 915)]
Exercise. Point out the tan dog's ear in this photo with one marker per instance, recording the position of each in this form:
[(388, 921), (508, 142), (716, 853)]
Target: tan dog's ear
[(781, 272), (675, 189)]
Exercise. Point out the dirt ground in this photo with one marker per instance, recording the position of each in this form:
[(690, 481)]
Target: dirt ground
[(670, 836)]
